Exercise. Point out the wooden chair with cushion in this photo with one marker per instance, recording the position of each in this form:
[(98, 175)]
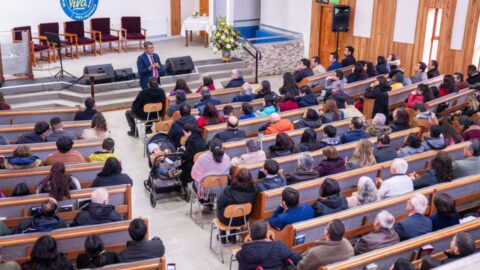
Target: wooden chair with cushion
[(101, 31), (231, 212), (41, 47), (211, 187), (45, 28), (132, 30), (76, 32)]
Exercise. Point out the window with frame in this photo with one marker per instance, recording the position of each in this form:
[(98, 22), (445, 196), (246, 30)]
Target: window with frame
[(432, 34)]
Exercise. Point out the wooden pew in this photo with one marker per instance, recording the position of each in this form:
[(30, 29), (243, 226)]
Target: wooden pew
[(13, 131), (357, 89), (385, 257), (26, 116), (288, 163), (320, 79), (359, 220), (17, 209), (42, 150), (257, 104), (69, 240), (140, 265), (266, 202), (252, 125), (396, 98), (455, 101), (237, 148), (224, 95), (84, 172)]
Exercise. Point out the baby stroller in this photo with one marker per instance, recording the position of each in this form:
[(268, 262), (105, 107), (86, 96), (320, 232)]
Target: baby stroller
[(156, 182)]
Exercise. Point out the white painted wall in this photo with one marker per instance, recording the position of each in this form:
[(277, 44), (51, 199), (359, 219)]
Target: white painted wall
[(220, 7), (246, 10), (155, 14), (289, 15), (188, 7)]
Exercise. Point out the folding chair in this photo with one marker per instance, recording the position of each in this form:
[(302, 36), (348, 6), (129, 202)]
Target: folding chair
[(231, 212), (149, 108), (211, 187)]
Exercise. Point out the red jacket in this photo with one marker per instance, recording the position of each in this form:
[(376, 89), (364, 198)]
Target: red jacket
[(211, 87), (413, 99), (473, 132), (287, 105), (281, 126), (201, 121)]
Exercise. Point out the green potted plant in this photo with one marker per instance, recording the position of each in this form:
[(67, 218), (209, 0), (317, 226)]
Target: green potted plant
[(223, 38)]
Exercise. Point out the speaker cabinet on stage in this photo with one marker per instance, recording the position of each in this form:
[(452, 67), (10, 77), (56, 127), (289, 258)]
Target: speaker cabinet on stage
[(106, 69), (340, 18), (124, 74), (179, 65)]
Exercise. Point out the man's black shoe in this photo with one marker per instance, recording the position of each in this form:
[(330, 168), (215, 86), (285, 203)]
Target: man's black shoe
[(132, 134)]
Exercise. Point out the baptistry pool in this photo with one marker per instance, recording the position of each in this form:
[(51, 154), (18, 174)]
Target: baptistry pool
[(258, 35)]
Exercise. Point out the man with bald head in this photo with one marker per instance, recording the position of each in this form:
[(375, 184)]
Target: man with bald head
[(232, 133), (98, 211)]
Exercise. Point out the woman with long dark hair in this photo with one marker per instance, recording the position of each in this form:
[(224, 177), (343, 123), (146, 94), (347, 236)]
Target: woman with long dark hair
[(378, 91), (98, 129), (111, 174), (400, 120), (95, 254), (208, 82), (288, 103), (308, 142), (441, 171), (194, 144), (181, 84), (210, 116), (447, 214), (448, 86), (45, 256), (265, 90), (421, 94), (283, 146), (311, 119), (358, 74), (450, 133), (289, 85), (58, 183)]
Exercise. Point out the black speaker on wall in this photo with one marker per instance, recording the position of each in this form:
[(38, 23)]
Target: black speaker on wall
[(106, 69), (179, 65), (340, 18)]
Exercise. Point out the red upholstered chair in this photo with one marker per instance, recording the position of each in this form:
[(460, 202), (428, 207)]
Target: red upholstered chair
[(101, 31), (132, 30), (77, 32), (44, 28), (34, 47)]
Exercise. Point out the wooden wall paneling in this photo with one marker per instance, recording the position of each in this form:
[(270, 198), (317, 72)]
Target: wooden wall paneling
[(203, 10), (175, 17), (315, 29)]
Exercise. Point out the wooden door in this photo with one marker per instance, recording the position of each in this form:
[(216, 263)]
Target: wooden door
[(175, 17), (327, 38), (203, 11)]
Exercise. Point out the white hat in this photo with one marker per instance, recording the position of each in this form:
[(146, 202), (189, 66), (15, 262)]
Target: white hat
[(152, 147)]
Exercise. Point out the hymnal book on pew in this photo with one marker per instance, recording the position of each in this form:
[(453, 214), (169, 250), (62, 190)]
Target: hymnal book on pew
[(300, 239)]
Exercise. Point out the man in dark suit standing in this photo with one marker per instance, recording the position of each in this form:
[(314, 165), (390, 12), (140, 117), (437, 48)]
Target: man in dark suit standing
[(148, 64)]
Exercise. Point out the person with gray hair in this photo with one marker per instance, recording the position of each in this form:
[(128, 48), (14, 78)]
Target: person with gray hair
[(206, 98), (416, 223), (378, 126), (236, 79), (469, 165), (383, 236), (304, 170), (149, 65), (366, 193), (254, 154), (98, 211), (399, 182), (246, 94)]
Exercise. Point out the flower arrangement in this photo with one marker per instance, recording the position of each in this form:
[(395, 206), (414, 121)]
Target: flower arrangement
[(223, 37), (196, 14)]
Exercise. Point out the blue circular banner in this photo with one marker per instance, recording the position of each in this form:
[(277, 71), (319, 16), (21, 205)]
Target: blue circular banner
[(79, 10)]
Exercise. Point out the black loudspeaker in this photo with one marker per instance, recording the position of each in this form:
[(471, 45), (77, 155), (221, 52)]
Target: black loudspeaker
[(179, 65), (106, 69), (124, 74), (340, 18)]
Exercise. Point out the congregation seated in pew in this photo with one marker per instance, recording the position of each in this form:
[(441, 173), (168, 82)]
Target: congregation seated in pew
[(400, 120), (265, 90), (176, 130), (283, 146), (140, 248), (304, 171), (384, 152), (289, 85), (108, 147), (254, 154), (276, 125), (98, 130), (303, 70), (236, 79), (210, 116), (447, 214), (46, 220), (468, 165), (366, 193), (208, 82), (383, 236), (206, 99), (288, 103), (247, 111), (440, 171), (180, 99), (64, 153), (399, 183), (22, 159), (308, 141), (38, 135), (89, 111), (272, 178), (246, 94), (270, 106), (362, 155), (307, 98), (311, 119), (412, 146), (355, 133), (181, 84), (378, 126), (98, 211), (290, 211), (330, 199), (58, 131), (45, 254), (95, 254), (58, 183), (416, 223), (333, 162), (232, 133)]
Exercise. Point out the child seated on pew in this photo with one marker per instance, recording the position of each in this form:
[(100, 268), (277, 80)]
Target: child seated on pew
[(271, 176), (22, 159), (108, 146), (164, 166)]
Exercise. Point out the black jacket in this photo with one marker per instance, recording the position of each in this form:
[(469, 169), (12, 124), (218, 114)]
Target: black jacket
[(230, 135), (413, 226), (84, 260), (235, 83), (306, 147), (307, 101), (300, 175), (61, 262), (299, 75), (112, 180), (146, 96), (306, 123), (233, 194), (95, 213), (276, 151), (194, 144), (397, 127), (142, 250), (205, 101), (267, 254), (356, 76), (472, 80), (348, 61), (379, 93), (383, 69), (339, 98), (85, 115), (429, 178), (37, 221), (30, 137), (331, 204), (433, 73), (385, 153), (176, 130)]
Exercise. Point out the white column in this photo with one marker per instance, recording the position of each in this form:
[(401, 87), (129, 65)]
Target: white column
[(211, 12), (230, 13)]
